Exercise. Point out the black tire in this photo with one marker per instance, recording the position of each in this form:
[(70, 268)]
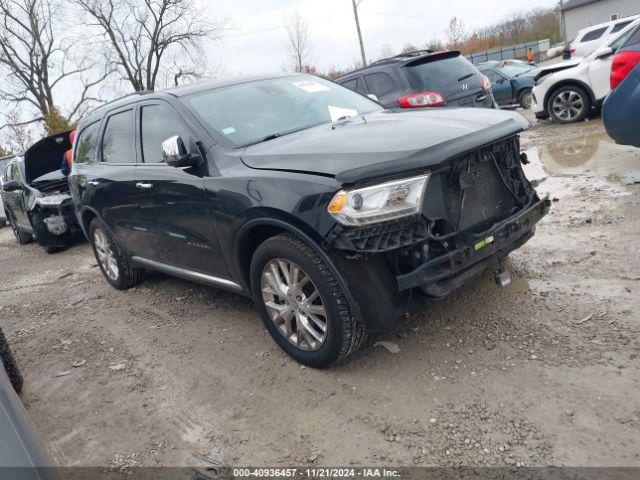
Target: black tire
[(9, 362), (51, 250), (344, 333), (21, 237), (524, 98), (127, 276), (585, 100)]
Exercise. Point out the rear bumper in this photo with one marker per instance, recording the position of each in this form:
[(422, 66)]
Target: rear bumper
[(439, 276)]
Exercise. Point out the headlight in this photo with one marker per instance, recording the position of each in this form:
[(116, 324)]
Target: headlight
[(379, 203), (52, 199)]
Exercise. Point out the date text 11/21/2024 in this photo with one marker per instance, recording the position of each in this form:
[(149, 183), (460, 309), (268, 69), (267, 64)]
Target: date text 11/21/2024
[(318, 472)]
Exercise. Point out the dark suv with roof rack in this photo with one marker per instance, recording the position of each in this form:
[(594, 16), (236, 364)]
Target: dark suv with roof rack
[(423, 79), (321, 205)]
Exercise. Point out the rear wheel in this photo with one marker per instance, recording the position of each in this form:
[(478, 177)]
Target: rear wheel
[(569, 104), (525, 98), (301, 304), (9, 362), (112, 260), (21, 237)]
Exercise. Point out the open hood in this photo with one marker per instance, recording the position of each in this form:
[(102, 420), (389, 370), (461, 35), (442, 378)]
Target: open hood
[(556, 67), (384, 143), (45, 155)]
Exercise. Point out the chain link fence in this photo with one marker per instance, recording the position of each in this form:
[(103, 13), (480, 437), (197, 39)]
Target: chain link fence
[(513, 52)]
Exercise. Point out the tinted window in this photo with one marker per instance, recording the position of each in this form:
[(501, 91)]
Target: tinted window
[(351, 84), (86, 143), (493, 76), (159, 122), (117, 142), (619, 26), (617, 43), (248, 112), (379, 83), (446, 75), (593, 35), (635, 38)]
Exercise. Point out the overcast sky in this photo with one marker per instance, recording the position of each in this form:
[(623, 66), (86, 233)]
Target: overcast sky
[(257, 43)]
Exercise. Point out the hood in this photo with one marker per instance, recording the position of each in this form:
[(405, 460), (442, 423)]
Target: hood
[(384, 143), (556, 67), (45, 155)]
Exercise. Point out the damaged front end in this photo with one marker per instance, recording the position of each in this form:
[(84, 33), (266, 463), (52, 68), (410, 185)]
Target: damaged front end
[(49, 205), (476, 209)]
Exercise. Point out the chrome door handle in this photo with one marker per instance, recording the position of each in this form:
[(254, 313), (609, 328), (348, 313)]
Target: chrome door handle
[(93, 182), (144, 186)]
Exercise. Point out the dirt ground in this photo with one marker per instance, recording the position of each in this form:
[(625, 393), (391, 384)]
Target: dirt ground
[(542, 372)]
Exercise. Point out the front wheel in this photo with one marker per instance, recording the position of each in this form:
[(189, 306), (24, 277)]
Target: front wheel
[(20, 236), (525, 98), (112, 260), (8, 361), (301, 303), (569, 104)]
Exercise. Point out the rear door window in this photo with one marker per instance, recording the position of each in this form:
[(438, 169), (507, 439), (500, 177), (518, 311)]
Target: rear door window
[(118, 143), (86, 143), (619, 26), (379, 84), (449, 76), (158, 122), (593, 35)]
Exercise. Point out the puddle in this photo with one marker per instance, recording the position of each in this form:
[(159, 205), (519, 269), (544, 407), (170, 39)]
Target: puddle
[(594, 154)]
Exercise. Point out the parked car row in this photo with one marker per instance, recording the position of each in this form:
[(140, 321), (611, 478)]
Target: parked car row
[(592, 37), (568, 92), (319, 203)]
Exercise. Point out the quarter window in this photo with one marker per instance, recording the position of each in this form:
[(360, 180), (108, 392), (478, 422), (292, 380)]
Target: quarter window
[(159, 122), (86, 143), (593, 35), (379, 83), (118, 140)]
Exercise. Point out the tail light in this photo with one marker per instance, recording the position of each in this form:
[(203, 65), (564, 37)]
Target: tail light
[(572, 51), (622, 64), (423, 99), (486, 84)]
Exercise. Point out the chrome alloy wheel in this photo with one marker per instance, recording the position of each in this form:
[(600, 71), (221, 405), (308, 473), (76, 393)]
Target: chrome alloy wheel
[(294, 304), (106, 257), (568, 105)]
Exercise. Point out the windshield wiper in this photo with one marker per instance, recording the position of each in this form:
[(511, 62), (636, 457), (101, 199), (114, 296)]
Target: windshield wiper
[(273, 136), (466, 76)]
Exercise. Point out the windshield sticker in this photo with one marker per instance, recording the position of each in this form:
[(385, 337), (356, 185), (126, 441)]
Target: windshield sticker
[(339, 112), (310, 86), (228, 130)]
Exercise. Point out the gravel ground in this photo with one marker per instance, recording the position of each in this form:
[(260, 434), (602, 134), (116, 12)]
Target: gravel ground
[(542, 372)]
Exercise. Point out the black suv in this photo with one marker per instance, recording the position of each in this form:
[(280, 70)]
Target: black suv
[(35, 194), (423, 79), (324, 207)]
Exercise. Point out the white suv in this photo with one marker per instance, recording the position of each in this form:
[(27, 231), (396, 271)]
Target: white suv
[(590, 38), (567, 91)]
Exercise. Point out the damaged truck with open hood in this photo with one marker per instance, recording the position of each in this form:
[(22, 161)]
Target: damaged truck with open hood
[(35, 193)]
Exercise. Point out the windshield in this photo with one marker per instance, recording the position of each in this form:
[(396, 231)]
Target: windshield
[(514, 69), (252, 112)]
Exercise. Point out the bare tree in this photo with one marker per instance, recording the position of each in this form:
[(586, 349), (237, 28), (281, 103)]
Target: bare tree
[(17, 134), (35, 56), (298, 43), (455, 33), (146, 35)]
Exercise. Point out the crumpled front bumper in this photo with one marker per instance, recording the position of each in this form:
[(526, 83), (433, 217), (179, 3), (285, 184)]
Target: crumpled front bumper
[(439, 276)]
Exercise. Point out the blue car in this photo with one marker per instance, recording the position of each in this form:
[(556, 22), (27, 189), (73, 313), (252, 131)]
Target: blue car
[(621, 107), (511, 81)]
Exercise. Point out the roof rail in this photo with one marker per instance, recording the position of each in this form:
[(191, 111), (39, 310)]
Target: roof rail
[(132, 94)]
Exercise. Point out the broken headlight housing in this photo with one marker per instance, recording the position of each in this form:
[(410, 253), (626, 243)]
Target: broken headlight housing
[(379, 203), (52, 200)]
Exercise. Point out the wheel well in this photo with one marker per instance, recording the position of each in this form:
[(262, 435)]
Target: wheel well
[(87, 217), (567, 83), (249, 243)]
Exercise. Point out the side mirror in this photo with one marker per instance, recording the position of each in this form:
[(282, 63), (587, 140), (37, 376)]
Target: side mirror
[(604, 52), (11, 186), (373, 97), (175, 153)]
